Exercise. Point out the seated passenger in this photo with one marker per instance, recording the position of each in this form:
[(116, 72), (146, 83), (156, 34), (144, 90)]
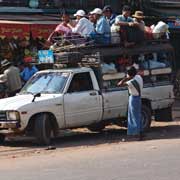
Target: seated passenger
[(138, 19), (62, 29), (83, 27), (128, 27), (109, 15), (91, 19), (140, 25), (102, 33)]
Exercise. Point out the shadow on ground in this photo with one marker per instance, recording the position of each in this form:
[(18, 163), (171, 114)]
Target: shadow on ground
[(82, 137)]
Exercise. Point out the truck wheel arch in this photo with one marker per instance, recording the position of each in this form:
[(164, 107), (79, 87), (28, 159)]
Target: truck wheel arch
[(53, 120), (147, 102), (146, 113)]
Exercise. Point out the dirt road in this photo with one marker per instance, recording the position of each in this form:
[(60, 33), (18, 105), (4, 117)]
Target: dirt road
[(82, 138)]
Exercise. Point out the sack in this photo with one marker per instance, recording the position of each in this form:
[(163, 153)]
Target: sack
[(108, 68), (160, 29), (115, 28)]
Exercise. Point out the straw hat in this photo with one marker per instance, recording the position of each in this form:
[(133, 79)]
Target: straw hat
[(138, 14)]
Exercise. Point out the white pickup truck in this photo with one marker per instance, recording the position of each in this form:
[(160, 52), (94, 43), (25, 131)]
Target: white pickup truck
[(70, 98)]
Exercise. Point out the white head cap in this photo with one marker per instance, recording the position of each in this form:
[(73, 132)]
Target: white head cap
[(80, 13), (97, 11)]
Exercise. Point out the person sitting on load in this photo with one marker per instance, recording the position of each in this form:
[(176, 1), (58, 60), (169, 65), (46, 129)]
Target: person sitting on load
[(62, 29), (138, 17), (128, 27), (83, 27), (102, 33), (109, 15)]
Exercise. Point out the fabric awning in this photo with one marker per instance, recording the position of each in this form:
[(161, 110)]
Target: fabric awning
[(24, 29), (14, 31)]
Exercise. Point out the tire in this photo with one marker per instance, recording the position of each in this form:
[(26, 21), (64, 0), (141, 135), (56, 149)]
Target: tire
[(97, 127), (146, 117), (2, 139), (176, 88), (43, 129), (164, 114)]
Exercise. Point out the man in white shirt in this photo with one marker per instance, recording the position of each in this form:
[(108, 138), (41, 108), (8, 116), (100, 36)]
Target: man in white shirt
[(135, 86), (83, 27)]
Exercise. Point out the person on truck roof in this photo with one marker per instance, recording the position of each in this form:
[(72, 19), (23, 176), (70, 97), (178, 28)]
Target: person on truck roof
[(102, 33), (62, 29), (109, 15), (129, 29), (134, 83), (83, 26), (138, 17)]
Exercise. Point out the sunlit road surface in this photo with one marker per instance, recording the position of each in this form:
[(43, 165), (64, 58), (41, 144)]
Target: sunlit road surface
[(83, 155)]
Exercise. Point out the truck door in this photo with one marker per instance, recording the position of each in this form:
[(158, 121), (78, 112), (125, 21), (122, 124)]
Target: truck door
[(115, 103), (82, 103)]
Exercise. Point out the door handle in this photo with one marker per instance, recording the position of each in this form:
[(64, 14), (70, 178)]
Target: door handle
[(92, 93)]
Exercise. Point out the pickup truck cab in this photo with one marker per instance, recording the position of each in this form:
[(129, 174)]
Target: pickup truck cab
[(68, 98)]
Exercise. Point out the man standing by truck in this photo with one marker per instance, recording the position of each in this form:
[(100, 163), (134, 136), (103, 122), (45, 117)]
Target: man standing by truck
[(12, 75), (135, 86)]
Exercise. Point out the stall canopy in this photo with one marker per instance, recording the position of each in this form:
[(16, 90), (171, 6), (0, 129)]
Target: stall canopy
[(14, 30), (36, 28)]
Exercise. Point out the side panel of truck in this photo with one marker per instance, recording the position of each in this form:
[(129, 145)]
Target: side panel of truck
[(160, 96), (84, 107), (115, 104)]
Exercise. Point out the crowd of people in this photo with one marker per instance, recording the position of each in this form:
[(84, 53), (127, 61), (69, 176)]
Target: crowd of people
[(98, 24), (103, 26)]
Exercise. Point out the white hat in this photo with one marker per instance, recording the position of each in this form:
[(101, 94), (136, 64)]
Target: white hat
[(97, 11), (80, 13)]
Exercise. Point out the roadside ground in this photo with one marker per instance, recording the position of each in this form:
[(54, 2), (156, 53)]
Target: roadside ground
[(83, 138)]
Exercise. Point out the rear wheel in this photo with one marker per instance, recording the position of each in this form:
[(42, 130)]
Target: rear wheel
[(43, 129), (146, 117)]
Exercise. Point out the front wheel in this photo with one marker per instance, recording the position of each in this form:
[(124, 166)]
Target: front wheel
[(146, 117), (43, 129)]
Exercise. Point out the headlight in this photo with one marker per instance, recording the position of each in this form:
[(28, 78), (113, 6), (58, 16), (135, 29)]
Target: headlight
[(12, 115)]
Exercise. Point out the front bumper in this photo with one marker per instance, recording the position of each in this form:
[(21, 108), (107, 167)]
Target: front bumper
[(9, 124)]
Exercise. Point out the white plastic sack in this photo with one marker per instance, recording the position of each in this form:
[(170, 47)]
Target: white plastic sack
[(108, 68), (115, 34), (160, 29)]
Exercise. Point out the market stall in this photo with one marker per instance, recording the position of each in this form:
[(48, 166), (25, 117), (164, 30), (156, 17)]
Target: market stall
[(20, 41)]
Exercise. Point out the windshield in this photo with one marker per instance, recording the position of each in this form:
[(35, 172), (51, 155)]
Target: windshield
[(52, 82)]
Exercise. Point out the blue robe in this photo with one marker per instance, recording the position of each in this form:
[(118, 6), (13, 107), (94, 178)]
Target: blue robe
[(134, 115)]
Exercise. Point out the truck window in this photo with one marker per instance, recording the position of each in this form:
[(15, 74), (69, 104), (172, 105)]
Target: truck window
[(52, 82), (81, 82)]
